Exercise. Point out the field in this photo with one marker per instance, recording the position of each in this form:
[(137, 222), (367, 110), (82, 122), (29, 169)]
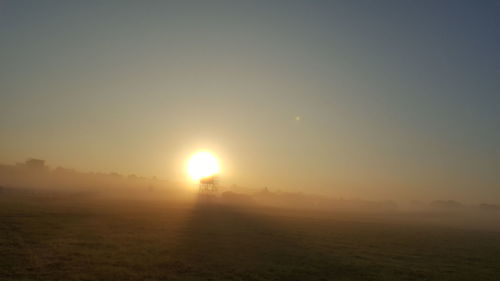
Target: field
[(82, 238)]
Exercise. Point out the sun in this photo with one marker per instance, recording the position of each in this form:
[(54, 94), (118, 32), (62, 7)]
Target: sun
[(202, 164)]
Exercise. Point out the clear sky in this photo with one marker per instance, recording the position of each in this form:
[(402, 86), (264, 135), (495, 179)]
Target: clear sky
[(397, 99)]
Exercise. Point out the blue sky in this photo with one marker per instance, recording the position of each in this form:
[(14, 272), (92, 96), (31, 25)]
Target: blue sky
[(396, 98)]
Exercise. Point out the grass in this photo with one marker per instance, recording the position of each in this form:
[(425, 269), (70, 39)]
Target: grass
[(66, 238)]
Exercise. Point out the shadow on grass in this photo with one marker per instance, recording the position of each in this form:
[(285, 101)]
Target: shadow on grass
[(222, 242)]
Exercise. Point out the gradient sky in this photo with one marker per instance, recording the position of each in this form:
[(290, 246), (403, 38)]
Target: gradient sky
[(397, 99)]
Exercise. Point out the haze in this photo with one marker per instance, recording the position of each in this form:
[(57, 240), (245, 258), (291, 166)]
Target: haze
[(357, 99)]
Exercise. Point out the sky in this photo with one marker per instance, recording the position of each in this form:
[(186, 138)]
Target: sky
[(368, 99)]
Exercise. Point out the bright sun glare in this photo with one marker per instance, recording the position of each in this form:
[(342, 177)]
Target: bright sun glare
[(203, 164)]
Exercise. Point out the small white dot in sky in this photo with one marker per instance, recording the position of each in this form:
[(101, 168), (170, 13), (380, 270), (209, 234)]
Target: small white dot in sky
[(297, 118)]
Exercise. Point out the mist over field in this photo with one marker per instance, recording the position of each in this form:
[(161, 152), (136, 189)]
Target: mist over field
[(35, 178), (137, 233), (258, 140)]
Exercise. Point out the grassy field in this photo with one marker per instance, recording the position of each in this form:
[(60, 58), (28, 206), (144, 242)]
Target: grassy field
[(72, 238)]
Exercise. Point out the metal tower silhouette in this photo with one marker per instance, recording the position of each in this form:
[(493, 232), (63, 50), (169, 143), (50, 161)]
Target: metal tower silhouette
[(208, 185)]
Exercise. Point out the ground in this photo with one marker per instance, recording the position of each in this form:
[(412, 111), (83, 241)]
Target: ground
[(79, 238)]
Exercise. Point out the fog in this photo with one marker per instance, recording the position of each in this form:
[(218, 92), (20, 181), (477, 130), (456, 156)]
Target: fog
[(35, 177), (249, 140)]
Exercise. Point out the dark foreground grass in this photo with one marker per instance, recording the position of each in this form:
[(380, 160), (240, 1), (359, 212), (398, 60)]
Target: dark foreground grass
[(63, 238)]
